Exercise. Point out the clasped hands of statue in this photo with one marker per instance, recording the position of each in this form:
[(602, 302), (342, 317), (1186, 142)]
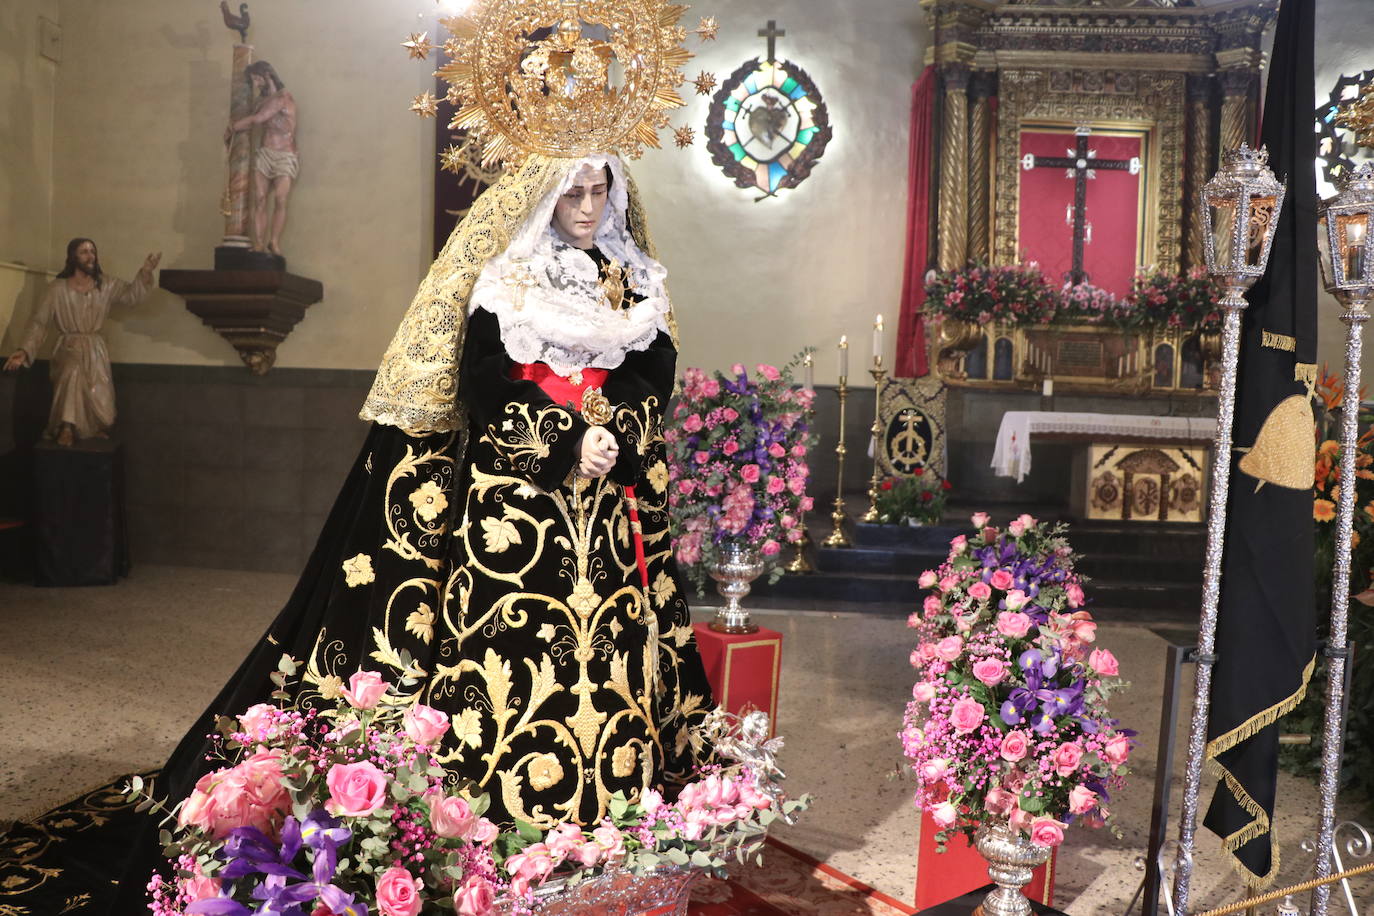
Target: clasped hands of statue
[(596, 453)]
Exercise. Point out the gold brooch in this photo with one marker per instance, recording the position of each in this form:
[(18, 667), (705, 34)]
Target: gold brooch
[(596, 407)]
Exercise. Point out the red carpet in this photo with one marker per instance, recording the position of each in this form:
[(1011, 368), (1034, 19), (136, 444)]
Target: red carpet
[(790, 882)]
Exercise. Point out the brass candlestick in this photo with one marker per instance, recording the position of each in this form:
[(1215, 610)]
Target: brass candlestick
[(801, 563), (837, 536), (878, 373)]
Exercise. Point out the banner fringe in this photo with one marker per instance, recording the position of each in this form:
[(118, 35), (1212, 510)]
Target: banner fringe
[(1260, 824)]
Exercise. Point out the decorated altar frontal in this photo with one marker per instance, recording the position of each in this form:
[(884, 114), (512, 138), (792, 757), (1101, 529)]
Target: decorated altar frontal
[(1131, 468)]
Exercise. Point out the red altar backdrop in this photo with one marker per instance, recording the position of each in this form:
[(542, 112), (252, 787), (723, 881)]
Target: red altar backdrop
[(1113, 210)]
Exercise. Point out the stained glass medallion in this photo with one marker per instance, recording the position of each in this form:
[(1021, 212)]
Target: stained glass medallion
[(1345, 125), (767, 125)]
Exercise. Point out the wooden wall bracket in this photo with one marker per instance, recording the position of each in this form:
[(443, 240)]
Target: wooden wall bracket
[(252, 309)]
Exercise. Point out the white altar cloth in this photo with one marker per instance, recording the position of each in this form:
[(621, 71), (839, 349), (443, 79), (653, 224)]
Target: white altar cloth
[(1011, 457)]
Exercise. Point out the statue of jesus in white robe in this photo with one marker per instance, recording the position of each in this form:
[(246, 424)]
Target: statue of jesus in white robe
[(83, 401)]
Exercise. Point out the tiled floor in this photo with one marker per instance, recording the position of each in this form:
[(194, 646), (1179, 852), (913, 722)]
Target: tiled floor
[(99, 682)]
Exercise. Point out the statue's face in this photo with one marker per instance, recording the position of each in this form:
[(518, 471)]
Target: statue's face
[(86, 256), (258, 82), (579, 210)]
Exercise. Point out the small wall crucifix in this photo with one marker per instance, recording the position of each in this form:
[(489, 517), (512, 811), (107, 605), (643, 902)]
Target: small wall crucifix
[(772, 33), (1081, 165)]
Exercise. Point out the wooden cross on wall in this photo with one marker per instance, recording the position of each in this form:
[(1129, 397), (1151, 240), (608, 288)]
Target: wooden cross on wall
[(772, 33), (1081, 165)]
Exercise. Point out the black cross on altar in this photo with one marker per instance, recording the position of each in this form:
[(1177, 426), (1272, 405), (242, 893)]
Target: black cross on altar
[(772, 33), (1082, 165)]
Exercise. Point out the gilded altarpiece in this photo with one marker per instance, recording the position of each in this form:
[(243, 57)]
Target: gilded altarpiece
[(1183, 78)]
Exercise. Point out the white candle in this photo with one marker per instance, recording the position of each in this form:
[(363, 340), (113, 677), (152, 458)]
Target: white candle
[(1047, 389), (844, 356), (1120, 366), (877, 342), (809, 367)]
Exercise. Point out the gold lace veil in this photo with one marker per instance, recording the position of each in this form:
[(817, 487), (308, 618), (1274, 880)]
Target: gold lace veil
[(416, 388)]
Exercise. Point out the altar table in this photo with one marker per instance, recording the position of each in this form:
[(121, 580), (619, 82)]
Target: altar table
[(1011, 456), (1133, 468)]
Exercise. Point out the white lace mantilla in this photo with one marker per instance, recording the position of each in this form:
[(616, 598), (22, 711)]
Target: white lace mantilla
[(1011, 457), (548, 298)]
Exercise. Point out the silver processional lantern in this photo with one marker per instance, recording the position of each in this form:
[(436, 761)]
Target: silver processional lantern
[(1347, 263), (1345, 240), (1240, 211)]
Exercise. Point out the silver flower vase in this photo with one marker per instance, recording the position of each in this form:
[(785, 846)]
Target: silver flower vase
[(737, 567), (1012, 858)]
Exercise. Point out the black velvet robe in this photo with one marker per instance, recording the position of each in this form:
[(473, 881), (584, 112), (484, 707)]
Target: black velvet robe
[(477, 563)]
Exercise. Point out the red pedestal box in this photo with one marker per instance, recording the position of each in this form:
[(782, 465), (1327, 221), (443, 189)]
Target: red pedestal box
[(942, 876), (743, 669)]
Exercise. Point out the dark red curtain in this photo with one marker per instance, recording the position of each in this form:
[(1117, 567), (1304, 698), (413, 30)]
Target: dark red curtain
[(911, 335)]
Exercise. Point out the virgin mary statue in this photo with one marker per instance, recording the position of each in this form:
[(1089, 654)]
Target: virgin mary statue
[(503, 537), (500, 547)]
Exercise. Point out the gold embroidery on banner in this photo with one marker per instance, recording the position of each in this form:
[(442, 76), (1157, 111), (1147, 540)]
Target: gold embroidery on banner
[(1283, 453), (1276, 341)]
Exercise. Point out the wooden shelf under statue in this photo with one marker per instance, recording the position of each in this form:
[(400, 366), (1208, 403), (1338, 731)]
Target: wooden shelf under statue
[(252, 309)]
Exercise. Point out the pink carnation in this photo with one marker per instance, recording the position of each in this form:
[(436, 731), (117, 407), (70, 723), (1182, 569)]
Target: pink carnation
[(692, 424), (749, 473), (980, 591)]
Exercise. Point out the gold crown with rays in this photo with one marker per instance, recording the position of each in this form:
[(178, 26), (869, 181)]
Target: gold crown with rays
[(563, 78)]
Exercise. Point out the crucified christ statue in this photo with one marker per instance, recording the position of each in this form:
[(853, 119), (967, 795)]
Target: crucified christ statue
[(276, 163)]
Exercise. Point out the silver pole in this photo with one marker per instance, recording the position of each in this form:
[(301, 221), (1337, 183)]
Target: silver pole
[(1354, 317), (1234, 304)]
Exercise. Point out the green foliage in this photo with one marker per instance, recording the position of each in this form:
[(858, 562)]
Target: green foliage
[(919, 498)]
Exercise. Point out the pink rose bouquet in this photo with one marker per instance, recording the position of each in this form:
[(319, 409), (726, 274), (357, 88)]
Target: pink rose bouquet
[(1008, 718), (345, 810), (737, 465), (1020, 294)]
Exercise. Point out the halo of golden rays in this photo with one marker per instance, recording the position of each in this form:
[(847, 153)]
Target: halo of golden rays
[(564, 78)]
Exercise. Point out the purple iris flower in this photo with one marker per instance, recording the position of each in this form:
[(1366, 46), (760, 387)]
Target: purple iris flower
[(250, 851)]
